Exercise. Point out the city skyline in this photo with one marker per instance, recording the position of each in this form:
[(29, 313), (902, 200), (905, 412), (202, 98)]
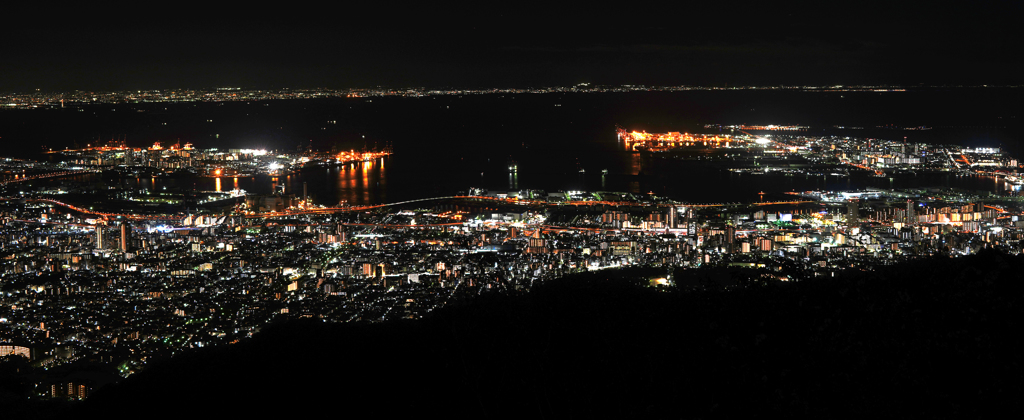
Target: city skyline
[(105, 269), (708, 210)]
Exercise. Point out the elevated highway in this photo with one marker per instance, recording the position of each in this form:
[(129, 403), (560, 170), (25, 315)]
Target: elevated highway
[(333, 210)]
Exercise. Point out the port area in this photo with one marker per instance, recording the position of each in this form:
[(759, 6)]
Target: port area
[(841, 156), (113, 158)]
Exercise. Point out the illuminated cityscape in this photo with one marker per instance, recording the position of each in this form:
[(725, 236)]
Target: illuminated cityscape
[(558, 212), (104, 265), (75, 99), (86, 280)]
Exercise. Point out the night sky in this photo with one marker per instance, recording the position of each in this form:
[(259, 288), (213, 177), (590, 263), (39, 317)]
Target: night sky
[(341, 46)]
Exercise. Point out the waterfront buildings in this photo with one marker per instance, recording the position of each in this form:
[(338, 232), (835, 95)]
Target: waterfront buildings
[(169, 281)]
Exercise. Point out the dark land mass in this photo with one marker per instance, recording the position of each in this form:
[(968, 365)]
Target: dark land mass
[(934, 338)]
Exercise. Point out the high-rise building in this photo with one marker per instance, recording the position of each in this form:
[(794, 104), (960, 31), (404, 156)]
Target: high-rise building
[(126, 231), (853, 213), (100, 244), (70, 390), (730, 237), (12, 350)]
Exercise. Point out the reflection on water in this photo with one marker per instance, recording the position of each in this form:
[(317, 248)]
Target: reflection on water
[(634, 164), (357, 183), (368, 182)]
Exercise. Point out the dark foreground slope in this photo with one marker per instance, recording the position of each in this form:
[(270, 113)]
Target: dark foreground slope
[(937, 338)]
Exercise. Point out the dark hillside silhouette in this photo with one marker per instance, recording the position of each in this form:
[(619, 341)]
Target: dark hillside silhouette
[(935, 338)]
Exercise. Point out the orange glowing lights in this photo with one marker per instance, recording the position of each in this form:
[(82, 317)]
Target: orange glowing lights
[(635, 139)]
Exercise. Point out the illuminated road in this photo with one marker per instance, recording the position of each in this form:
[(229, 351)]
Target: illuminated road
[(331, 210), (49, 175), (511, 201), (97, 213)]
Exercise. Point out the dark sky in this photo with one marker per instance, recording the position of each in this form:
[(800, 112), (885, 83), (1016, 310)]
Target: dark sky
[(344, 46)]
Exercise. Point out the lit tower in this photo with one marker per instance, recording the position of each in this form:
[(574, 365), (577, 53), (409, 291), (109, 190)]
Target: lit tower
[(126, 232), (99, 237)]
